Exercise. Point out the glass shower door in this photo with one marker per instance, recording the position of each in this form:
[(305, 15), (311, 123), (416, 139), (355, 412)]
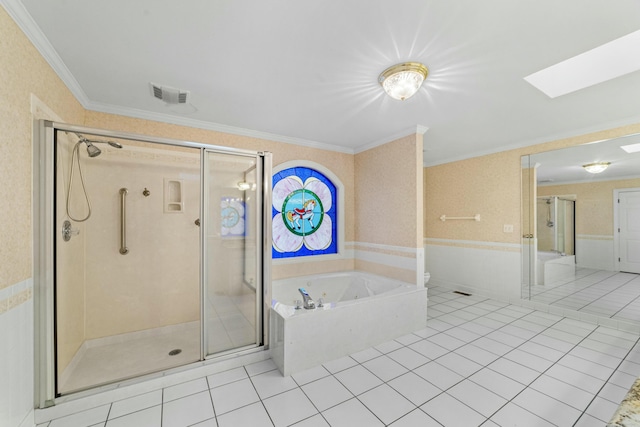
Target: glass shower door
[(127, 264), (232, 251), (151, 254)]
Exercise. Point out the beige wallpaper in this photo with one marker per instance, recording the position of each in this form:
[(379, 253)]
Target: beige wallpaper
[(22, 71), (490, 186), (594, 203), (388, 198)]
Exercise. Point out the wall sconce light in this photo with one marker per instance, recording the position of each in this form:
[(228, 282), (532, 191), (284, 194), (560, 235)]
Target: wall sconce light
[(596, 167), (244, 186), (402, 81)]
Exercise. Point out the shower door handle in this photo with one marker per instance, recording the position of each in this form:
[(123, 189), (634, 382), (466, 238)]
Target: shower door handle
[(123, 221)]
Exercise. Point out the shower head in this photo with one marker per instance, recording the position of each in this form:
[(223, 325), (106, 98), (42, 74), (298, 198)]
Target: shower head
[(92, 150)]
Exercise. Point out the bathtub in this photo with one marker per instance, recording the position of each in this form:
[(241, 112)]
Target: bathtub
[(360, 310), (553, 268)]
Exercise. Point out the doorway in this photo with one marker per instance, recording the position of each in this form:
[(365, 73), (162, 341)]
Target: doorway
[(627, 205)]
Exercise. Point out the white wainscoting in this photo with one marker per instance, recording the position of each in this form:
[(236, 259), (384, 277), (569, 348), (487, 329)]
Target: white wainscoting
[(16, 354), (392, 256), (595, 252), (487, 268)]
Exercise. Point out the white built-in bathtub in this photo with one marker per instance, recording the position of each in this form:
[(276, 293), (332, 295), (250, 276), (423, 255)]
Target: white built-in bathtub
[(553, 268), (360, 310)]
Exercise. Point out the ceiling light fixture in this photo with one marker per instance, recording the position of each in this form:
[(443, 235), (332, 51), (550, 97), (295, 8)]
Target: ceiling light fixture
[(596, 167), (402, 81)]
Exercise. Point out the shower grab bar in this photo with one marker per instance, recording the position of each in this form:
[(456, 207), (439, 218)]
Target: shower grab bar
[(123, 221), (476, 217)]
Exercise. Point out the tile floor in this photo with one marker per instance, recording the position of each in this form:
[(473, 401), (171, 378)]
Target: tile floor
[(478, 362), (598, 292)]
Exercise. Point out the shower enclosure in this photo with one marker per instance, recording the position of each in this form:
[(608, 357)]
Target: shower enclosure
[(149, 255), (556, 224)]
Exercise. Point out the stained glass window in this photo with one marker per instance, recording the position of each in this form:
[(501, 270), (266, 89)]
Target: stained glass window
[(304, 213), (232, 217)]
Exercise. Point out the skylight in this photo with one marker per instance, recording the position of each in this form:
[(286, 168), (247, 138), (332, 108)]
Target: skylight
[(632, 148), (603, 63)]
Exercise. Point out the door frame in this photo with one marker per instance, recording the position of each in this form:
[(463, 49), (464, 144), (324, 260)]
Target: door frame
[(262, 165), (44, 229), (616, 223)]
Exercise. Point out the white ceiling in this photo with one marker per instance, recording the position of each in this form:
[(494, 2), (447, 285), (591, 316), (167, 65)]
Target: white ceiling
[(306, 72), (565, 165)]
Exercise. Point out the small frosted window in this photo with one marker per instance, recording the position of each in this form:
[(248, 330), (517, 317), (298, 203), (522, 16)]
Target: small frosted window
[(304, 213)]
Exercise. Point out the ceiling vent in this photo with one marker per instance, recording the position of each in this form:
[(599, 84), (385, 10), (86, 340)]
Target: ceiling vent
[(169, 94)]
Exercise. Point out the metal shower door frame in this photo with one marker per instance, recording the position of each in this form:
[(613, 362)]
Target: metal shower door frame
[(262, 222), (44, 169)]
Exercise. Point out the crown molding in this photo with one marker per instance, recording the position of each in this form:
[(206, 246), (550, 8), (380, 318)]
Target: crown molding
[(418, 129), (541, 140), (25, 22), (202, 124), (589, 180), (23, 19)]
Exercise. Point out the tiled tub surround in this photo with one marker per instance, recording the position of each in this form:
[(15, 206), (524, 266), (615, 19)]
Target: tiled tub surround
[(478, 362), (553, 268), (360, 310)]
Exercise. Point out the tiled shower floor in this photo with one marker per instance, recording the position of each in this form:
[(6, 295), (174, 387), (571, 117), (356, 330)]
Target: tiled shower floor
[(134, 356), (231, 322), (598, 292), (478, 362)]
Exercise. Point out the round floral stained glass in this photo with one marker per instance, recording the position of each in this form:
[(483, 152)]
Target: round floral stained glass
[(304, 213), (232, 217)]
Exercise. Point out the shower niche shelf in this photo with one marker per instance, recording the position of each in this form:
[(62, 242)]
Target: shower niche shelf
[(173, 196)]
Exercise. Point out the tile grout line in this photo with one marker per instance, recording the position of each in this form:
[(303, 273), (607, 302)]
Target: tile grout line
[(607, 381), (447, 331), (500, 357), (213, 406), (543, 372)]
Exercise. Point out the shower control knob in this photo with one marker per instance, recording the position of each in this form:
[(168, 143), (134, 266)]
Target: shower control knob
[(67, 231), (197, 222)]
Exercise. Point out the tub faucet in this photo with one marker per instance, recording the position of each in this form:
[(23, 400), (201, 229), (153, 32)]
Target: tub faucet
[(307, 301)]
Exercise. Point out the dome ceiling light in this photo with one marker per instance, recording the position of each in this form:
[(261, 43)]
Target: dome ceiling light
[(402, 81), (596, 167)]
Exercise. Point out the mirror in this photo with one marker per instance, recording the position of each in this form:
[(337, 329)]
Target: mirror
[(581, 230)]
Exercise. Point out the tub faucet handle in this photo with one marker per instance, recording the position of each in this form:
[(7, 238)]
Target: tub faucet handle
[(307, 301)]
